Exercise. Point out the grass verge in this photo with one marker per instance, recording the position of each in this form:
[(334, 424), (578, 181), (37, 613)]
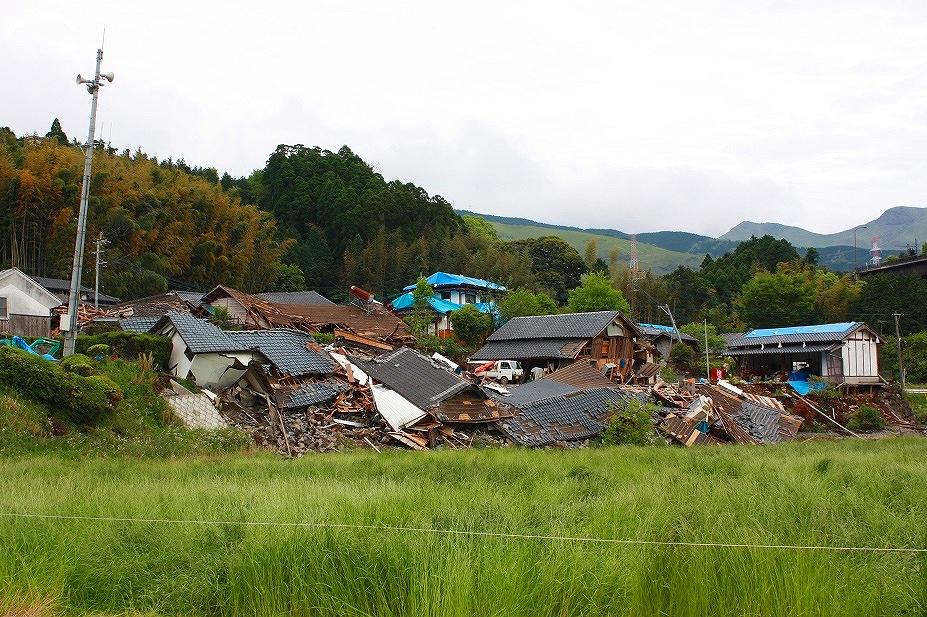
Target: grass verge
[(844, 493)]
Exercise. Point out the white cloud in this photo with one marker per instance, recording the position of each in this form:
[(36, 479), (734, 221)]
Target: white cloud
[(639, 116)]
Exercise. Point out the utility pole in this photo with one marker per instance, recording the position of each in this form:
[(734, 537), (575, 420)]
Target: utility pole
[(93, 87), (666, 309), (707, 363), (101, 242), (897, 316)]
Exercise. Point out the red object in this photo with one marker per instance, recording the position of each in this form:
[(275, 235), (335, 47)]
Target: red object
[(443, 334), (484, 367), (716, 374), (363, 294)]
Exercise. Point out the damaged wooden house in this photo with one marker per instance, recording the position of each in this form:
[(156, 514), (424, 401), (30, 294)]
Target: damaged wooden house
[(607, 339)]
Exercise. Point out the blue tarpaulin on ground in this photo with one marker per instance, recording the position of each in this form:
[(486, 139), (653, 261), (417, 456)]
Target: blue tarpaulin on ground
[(804, 387)]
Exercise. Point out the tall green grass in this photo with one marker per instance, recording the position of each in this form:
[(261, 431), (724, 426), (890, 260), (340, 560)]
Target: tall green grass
[(838, 494)]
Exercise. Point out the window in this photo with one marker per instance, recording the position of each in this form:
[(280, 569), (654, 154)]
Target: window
[(605, 348), (3, 313), (445, 295), (469, 298), (188, 353)]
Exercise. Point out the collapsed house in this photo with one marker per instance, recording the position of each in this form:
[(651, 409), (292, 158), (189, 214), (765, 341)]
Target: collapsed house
[(664, 337), (215, 358), (609, 339), (839, 353)]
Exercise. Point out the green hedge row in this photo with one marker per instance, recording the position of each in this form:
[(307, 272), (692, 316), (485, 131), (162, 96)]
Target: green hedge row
[(130, 345), (83, 399)]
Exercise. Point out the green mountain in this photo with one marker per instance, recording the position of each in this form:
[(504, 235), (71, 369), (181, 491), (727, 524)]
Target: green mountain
[(895, 228)]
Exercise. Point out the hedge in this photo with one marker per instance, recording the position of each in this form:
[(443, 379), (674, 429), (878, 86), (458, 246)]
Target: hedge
[(83, 399), (130, 345)]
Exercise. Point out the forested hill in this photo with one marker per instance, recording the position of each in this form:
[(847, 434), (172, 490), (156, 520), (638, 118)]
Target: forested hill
[(167, 226), (310, 218)]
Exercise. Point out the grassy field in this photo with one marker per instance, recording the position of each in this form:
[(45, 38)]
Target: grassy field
[(653, 258), (819, 493)]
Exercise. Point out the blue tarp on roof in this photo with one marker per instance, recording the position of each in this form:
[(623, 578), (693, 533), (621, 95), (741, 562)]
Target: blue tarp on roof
[(828, 328), (406, 301), (669, 329), (443, 279)]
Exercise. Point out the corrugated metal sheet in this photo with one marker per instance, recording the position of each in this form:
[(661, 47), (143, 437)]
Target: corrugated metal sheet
[(775, 349)]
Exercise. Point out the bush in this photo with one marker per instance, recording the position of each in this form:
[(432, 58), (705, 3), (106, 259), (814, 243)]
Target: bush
[(100, 350), (78, 364), (682, 356), (83, 399), (130, 345), (866, 419), (470, 325), (323, 338), (632, 426)]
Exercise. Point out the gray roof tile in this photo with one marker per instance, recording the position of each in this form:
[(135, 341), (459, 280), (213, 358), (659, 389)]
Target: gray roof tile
[(138, 324), (200, 335), (414, 376), (567, 325), (761, 422), (313, 394), (294, 297), (549, 348), (286, 349), (568, 417)]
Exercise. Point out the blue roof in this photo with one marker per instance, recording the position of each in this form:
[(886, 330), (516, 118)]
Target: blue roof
[(406, 301), (658, 327), (827, 328), (443, 279)]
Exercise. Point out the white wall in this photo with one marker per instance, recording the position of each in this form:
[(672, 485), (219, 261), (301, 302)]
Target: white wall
[(860, 353), (24, 298)]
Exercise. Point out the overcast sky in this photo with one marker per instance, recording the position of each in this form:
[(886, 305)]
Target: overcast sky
[(638, 116)]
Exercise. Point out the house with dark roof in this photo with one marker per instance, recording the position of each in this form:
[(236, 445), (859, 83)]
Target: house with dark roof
[(608, 339), (25, 304), (841, 353), (213, 357), (452, 291), (61, 288), (430, 386), (662, 337), (295, 298)]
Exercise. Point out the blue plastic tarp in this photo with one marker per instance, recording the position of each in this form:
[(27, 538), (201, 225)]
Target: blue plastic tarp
[(443, 279), (804, 387), (827, 328), (406, 301)]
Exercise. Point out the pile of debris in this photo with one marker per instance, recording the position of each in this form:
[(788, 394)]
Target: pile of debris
[(717, 414)]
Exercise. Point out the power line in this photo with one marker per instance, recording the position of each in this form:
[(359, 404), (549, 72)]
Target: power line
[(465, 532)]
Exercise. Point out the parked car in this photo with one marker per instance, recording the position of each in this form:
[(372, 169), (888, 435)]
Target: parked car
[(503, 371)]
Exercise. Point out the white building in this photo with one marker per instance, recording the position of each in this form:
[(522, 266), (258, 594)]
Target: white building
[(25, 306)]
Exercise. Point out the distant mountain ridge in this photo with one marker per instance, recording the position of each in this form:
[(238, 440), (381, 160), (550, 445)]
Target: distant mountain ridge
[(663, 251), (896, 228)]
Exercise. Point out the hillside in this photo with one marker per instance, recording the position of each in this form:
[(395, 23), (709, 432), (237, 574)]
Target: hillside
[(653, 258), (896, 228)]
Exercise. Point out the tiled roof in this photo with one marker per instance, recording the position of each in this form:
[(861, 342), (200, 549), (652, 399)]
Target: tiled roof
[(568, 417), (313, 394), (158, 305), (200, 335), (294, 297), (414, 376), (580, 374), (138, 324), (194, 298), (543, 348), (772, 349), (286, 350), (566, 325), (377, 323), (64, 286), (761, 422), (536, 390)]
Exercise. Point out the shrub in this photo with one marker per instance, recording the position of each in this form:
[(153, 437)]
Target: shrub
[(100, 350), (668, 374), (682, 356), (130, 345), (470, 325), (631, 426), (866, 419), (323, 338), (83, 399), (78, 364)]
